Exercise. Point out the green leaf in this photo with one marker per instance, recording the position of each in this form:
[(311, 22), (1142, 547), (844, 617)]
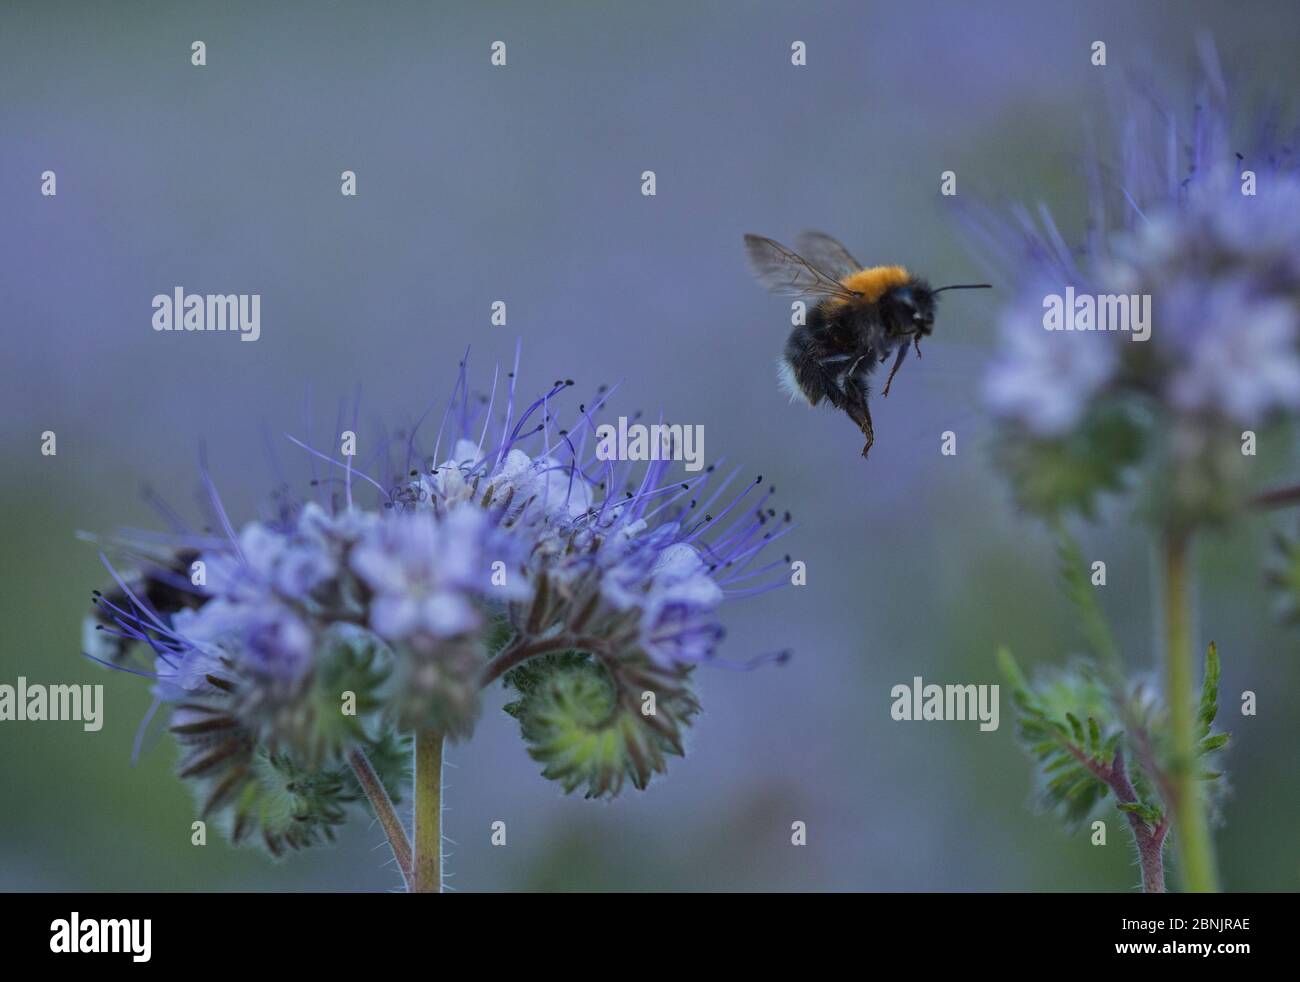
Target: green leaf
[(1209, 708), (1213, 743), (1144, 810), (1011, 671), (1048, 723)]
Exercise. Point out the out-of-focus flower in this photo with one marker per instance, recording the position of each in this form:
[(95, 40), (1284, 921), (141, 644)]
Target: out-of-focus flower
[(1045, 380), (1200, 213), (1242, 359)]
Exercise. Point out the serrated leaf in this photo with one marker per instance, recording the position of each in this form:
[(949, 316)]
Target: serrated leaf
[(1209, 707), (1213, 743)]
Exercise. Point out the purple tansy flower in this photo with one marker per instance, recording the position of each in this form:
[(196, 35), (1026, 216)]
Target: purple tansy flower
[(427, 573), (1241, 358), (1190, 218), (406, 581)]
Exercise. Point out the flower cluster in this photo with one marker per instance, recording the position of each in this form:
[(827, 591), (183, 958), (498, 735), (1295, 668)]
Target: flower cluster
[(387, 599), (1200, 213)]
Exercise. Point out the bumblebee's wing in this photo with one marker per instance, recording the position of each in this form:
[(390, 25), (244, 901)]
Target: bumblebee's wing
[(789, 274), (826, 253)]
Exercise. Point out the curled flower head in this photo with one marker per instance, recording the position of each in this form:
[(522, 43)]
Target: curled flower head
[(386, 599)]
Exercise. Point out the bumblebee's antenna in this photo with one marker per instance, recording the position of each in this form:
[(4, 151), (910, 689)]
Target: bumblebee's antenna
[(966, 286)]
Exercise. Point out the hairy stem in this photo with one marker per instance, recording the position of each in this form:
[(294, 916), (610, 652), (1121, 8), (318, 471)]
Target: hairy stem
[(383, 806), (517, 651), (1150, 843), (427, 864), (1150, 840), (1195, 848)]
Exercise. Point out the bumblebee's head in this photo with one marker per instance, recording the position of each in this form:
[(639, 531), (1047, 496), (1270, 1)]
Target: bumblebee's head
[(910, 308), (922, 300)]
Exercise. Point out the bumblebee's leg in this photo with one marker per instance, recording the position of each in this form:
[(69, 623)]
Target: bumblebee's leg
[(898, 360), (855, 404), (916, 340)]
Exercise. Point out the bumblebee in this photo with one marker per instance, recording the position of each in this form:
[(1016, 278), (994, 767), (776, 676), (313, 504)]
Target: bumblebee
[(861, 316)]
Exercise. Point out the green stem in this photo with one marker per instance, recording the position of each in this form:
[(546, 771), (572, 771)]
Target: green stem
[(1191, 826), (427, 863)]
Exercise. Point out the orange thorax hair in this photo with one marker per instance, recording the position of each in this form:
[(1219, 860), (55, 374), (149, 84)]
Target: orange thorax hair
[(873, 282)]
